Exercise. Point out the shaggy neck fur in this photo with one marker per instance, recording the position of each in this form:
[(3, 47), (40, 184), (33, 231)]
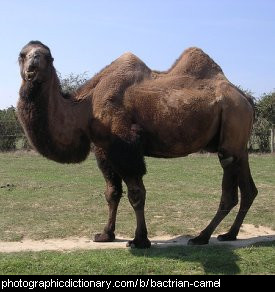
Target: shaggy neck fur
[(51, 122)]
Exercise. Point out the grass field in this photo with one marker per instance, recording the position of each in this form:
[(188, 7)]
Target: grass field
[(42, 199), (173, 261)]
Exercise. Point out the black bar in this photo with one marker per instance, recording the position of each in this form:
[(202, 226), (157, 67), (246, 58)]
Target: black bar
[(46, 283)]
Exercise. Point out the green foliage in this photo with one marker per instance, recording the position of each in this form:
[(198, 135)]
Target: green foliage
[(72, 81), (9, 129), (265, 108), (265, 118), (260, 140)]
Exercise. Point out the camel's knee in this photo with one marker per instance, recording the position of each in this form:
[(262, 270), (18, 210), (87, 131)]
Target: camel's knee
[(226, 159), (113, 193), (137, 197)]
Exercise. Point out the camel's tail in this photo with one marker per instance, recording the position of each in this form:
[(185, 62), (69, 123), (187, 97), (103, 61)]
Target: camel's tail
[(250, 99)]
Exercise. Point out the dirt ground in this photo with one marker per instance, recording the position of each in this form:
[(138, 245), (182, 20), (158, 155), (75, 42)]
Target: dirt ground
[(249, 234)]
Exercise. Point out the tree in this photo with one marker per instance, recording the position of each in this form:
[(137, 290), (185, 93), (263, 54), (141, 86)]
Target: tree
[(265, 118), (71, 82), (266, 107), (9, 129)]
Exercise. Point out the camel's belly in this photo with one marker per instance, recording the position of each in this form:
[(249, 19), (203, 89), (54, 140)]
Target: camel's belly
[(172, 140), (171, 151)]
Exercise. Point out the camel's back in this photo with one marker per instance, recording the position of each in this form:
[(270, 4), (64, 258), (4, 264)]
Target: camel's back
[(128, 70)]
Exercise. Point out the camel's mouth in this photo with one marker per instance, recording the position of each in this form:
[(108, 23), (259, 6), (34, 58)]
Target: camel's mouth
[(30, 75)]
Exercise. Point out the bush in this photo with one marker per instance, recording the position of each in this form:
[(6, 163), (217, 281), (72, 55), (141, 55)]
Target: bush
[(9, 129), (265, 118), (71, 82)]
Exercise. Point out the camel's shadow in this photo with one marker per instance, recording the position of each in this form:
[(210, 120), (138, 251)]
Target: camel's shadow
[(243, 242), (215, 258)]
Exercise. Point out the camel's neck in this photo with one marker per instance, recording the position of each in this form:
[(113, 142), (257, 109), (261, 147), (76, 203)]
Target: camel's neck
[(56, 127)]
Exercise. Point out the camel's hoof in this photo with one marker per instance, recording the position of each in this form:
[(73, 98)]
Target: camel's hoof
[(104, 237), (137, 243), (198, 241), (226, 237)]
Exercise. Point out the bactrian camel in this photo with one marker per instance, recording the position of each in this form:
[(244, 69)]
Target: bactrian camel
[(129, 111)]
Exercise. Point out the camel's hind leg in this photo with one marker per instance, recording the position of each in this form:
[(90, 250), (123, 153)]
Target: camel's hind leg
[(248, 194), (236, 124), (229, 198), (236, 173)]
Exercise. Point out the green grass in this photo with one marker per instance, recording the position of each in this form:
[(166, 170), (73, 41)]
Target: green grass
[(42, 199), (173, 261)]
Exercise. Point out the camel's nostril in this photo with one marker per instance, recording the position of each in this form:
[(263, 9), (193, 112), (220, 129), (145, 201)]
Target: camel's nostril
[(31, 67)]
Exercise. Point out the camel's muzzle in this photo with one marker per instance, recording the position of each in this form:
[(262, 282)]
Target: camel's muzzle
[(30, 75)]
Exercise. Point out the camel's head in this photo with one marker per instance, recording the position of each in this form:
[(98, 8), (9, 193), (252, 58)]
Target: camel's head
[(35, 62)]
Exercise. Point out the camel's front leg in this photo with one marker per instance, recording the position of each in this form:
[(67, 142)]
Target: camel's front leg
[(113, 194), (137, 194)]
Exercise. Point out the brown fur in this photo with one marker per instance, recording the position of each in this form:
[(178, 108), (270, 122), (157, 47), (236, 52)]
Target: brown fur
[(128, 112)]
